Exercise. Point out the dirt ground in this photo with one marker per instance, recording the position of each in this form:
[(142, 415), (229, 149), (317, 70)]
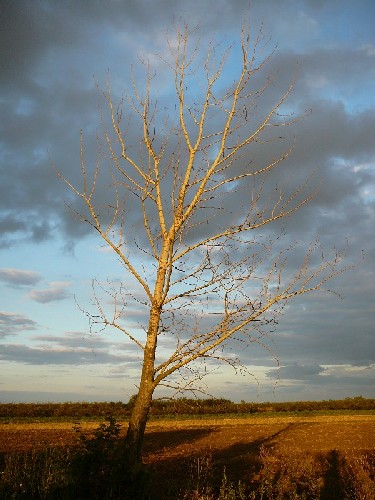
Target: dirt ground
[(235, 444), (181, 447)]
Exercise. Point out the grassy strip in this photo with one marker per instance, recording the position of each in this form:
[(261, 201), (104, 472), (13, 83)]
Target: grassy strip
[(187, 416)]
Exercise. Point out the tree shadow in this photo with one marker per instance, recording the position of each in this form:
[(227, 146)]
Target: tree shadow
[(334, 487), (162, 440), (239, 460)]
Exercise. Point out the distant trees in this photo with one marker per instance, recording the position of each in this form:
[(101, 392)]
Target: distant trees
[(202, 196), (176, 407)]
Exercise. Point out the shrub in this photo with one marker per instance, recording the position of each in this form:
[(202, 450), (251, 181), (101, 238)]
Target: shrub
[(99, 464), (95, 468), (358, 477), (288, 475), (36, 473), (202, 483)]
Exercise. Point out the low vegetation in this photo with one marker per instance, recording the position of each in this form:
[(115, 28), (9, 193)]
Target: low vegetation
[(92, 468), (178, 407), (289, 475), (285, 457), (95, 469)]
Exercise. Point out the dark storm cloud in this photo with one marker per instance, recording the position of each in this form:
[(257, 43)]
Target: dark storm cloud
[(29, 26), (52, 54), (323, 329), (52, 95), (300, 380), (297, 372)]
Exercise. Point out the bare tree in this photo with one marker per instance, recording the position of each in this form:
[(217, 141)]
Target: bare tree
[(204, 263)]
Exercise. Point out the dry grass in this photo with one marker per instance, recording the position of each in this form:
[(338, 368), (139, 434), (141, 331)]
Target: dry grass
[(246, 447), (308, 457), (307, 433)]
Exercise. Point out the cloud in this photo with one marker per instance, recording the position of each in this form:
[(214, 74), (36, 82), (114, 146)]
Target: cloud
[(59, 355), (76, 340), (12, 323), (48, 93), (72, 348), (53, 396), (19, 277), (56, 291), (297, 381), (296, 371), (34, 197)]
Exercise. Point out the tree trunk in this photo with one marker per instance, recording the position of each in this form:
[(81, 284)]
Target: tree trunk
[(139, 416), (137, 426)]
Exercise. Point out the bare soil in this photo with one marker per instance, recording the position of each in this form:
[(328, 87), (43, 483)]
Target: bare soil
[(234, 444), (177, 449)]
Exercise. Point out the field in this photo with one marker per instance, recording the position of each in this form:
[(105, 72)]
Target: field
[(312, 456)]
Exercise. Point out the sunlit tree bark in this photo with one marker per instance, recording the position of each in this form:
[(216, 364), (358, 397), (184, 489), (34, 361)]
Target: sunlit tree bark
[(180, 176)]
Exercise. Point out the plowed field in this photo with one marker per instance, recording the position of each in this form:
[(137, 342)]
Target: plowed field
[(173, 447)]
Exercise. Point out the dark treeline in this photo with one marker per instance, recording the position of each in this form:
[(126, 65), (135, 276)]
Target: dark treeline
[(177, 407)]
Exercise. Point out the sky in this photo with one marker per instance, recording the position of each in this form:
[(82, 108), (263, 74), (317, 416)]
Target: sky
[(54, 58)]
